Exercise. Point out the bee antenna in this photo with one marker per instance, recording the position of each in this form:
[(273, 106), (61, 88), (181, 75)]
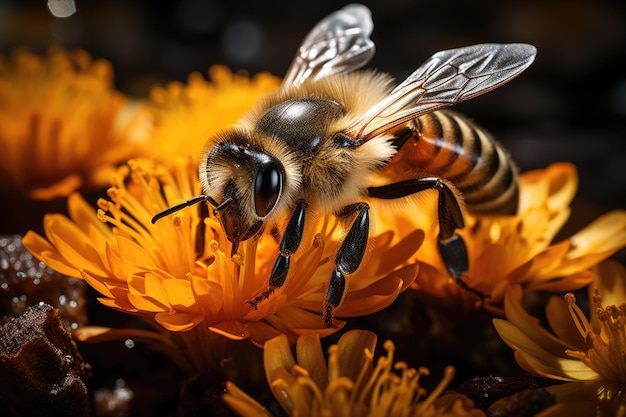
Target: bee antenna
[(223, 205), (180, 206)]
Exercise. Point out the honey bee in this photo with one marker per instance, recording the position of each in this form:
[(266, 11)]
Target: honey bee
[(330, 133)]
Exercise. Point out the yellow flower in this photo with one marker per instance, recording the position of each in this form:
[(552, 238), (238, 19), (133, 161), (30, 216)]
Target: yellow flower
[(349, 384), (588, 353), (179, 273), (186, 116), (64, 127), (519, 250)]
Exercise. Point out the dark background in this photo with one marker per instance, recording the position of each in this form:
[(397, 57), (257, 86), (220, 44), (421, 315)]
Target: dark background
[(569, 106)]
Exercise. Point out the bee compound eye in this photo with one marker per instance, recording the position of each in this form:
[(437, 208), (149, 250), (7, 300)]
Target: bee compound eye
[(268, 185)]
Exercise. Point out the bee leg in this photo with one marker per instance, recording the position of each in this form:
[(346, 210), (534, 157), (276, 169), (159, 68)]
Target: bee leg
[(348, 259), (288, 246), (451, 246)]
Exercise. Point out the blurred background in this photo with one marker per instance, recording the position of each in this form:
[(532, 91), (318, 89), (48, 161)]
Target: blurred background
[(569, 106)]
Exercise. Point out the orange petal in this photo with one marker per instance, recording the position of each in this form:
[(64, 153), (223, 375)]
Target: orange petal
[(98, 334), (562, 323), (567, 284), (45, 252), (62, 188), (594, 234), (85, 216), (310, 357), (351, 351), (234, 330), (132, 254), (146, 303), (371, 299), (118, 304), (529, 326), (277, 355), (208, 294), (611, 281), (559, 368), (401, 252), (241, 403), (97, 284), (261, 332), (178, 322), (576, 392), (179, 294), (72, 244)]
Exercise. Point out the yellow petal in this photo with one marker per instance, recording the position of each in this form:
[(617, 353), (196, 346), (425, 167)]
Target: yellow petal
[(85, 216), (610, 279), (42, 250), (569, 283), (584, 391), (558, 368), (562, 323), (277, 355), (61, 188), (99, 334), (530, 327), (241, 403), (72, 244), (351, 351), (310, 357), (606, 233)]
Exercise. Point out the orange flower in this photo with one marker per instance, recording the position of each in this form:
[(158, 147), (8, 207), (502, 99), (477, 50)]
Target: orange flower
[(349, 384), (178, 273), (185, 116), (590, 354), (64, 127), (519, 250)]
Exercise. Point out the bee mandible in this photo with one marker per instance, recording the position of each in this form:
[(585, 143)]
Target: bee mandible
[(330, 133)]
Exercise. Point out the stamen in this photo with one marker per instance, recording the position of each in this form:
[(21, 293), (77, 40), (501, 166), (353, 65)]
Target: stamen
[(581, 322), (448, 375), (368, 359)]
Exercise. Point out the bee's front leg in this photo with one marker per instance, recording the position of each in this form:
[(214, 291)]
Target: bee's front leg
[(451, 246), (348, 258), (288, 246)]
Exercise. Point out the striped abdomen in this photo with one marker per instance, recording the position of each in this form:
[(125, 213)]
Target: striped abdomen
[(449, 146)]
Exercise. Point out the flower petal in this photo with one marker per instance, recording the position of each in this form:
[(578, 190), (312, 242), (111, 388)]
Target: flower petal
[(277, 355), (310, 357), (241, 403), (351, 351), (234, 330), (175, 321)]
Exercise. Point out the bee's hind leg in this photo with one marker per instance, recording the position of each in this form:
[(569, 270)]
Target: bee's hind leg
[(451, 246)]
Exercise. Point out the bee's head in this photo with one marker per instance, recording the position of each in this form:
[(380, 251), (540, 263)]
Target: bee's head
[(246, 183)]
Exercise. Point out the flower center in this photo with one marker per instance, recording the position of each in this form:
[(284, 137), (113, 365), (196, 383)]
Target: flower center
[(605, 340)]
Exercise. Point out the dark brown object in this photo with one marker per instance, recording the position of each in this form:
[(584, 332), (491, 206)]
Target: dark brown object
[(24, 281), (41, 367), (525, 403)]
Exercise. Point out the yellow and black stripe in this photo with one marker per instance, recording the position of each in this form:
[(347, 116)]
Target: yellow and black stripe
[(452, 147)]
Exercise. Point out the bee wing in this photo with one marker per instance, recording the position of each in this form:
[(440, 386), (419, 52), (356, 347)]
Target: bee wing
[(447, 78), (338, 43)]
